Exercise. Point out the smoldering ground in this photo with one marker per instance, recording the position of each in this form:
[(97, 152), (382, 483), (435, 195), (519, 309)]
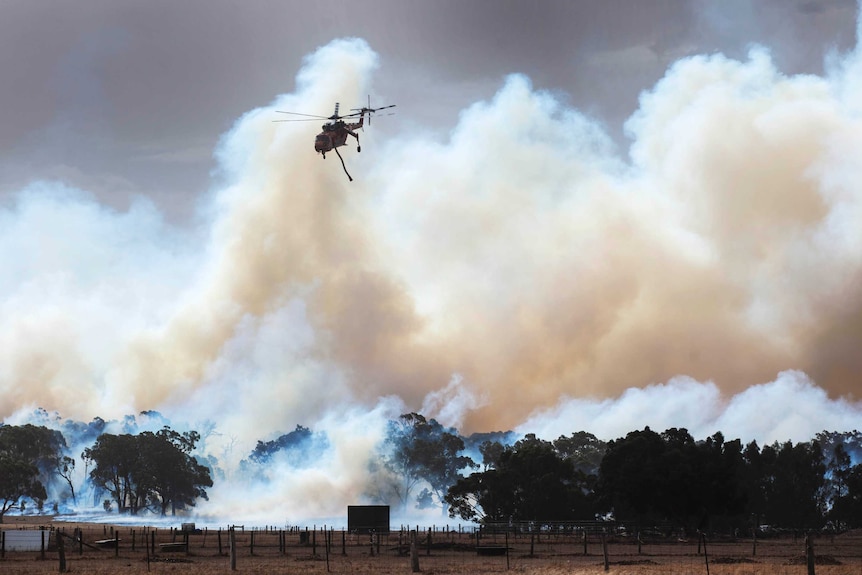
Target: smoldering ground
[(520, 269)]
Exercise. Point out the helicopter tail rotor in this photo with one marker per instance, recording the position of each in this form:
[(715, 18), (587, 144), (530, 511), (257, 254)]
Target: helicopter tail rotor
[(371, 111)]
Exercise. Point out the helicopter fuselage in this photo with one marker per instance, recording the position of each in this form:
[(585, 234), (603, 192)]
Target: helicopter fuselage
[(335, 134)]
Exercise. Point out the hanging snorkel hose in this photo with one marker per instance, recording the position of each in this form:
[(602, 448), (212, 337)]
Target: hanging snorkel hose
[(342, 164)]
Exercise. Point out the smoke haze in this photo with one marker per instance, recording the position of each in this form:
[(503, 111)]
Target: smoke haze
[(520, 272)]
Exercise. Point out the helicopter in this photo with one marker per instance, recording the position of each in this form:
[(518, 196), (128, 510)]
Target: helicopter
[(335, 131)]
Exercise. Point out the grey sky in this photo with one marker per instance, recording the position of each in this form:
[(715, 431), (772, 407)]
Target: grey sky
[(127, 97)]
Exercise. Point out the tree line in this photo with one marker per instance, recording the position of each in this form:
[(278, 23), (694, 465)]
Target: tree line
[(645, 477), (669, 478), (146, 471)]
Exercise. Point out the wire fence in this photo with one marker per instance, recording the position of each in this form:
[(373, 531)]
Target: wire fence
[(571, 549)]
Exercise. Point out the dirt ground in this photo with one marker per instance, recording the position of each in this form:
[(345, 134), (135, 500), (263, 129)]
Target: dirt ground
[(299, 551)]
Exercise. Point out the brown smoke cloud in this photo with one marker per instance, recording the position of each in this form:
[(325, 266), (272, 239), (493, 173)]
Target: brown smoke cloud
[(720, 251), (517, 263)]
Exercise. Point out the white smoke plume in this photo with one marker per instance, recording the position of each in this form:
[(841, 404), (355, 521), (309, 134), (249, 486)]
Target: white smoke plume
[(791, 408), (519, 272)]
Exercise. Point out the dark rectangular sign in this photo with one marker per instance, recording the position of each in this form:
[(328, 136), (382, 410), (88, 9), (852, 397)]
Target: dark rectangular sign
[(368, 518)]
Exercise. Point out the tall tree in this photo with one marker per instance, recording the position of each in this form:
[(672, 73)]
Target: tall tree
[(169, 475), (531, 481), (423, 450), (149, 469), (648, 476), (43, 448), (757, 479), (491, 452), (838, 473), (115, 460), (630, 479), (847, 507), (797, 489), (19, 479), (583, 449)]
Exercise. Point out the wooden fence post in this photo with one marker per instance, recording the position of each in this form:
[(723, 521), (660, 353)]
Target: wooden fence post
[(605, 552), (809, 554), (232, 538), (414, 553), (705, 553), (61, 552), (507, 549)]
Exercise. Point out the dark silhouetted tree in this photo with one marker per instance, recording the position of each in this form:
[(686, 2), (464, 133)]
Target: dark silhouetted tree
[(631, 479), (41, 447), (671, 477), (149, 470), (797, 480), (837, 472), (583, 449), (847, 507), (19, 479), (299, 448), (115, 459), (491, 452), (169, 475), (531, 481)]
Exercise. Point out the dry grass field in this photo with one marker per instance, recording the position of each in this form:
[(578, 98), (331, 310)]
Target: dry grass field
[(148, 550)]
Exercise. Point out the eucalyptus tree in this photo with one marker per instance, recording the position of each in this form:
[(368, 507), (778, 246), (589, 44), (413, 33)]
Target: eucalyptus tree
[(419, 450), (149, 470)]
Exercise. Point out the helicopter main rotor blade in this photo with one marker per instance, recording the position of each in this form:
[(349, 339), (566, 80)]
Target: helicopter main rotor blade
[(300, 120), (307, 115)]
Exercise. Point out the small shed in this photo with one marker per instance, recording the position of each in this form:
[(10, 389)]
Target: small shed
[(27, 540)]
